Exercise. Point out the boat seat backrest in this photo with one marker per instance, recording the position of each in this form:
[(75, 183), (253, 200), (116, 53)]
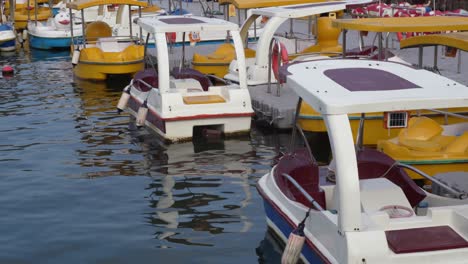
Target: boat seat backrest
[(459, 145), (304, 169), (188, 73), (375, 164), (424, 134), (149, 76)]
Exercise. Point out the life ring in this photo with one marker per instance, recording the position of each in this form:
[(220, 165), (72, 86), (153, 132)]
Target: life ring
[(400, 35), (397, 211), (277, 59), (264, 19), (171, 37), (194, 36)]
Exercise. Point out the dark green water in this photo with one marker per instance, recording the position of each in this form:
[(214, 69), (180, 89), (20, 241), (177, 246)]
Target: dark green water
[(79, 185)]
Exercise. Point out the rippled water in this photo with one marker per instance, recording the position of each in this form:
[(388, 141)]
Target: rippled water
[(78, 184)]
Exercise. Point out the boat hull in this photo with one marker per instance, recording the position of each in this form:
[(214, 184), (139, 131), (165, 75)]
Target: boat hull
[(49, 43), (283, 226), (8, 46), (99, 70), (180, 128)]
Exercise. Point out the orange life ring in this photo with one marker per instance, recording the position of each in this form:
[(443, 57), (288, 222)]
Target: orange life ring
[(171, 37), (194, 36), (283, 58), (407, 35)]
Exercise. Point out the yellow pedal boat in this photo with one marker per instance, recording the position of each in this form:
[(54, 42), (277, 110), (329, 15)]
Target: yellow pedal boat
[(270, 20), (430, 147), (310, 120), (99, 53), (22, 16)]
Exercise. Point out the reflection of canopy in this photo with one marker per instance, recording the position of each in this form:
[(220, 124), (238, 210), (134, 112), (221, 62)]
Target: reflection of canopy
[(404, 24), (244, 4), (78, 5), (457, 40)]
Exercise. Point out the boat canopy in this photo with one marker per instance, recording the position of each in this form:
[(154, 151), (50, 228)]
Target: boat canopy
[(246, 4), (457, 40), (344, 86), (161, 24), (404, 24), (82, 4), (296, 11)]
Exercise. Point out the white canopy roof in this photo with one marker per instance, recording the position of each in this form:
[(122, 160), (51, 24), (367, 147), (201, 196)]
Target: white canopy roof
[(295, 11), (162, 24), (341, 86)]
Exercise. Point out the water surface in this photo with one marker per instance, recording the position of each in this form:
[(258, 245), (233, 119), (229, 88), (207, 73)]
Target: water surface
[(78, 184)]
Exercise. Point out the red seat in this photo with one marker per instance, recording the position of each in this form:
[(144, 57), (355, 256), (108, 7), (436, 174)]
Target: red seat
[(149, 76), (365, 51), (187, 73), (374, 164), (304, 169), (424, 239)]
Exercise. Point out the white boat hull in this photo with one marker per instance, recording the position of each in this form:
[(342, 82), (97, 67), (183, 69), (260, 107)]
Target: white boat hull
[(176, 122)]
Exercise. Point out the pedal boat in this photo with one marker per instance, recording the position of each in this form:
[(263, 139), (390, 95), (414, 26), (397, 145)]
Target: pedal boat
[(176, 101), (7, 37), (32, 13), (429, 146), (372, 212), (55, 33), (311, 121), (100, 53), (222, 61)]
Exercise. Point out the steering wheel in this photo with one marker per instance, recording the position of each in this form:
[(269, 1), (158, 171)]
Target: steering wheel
[(397, 211)]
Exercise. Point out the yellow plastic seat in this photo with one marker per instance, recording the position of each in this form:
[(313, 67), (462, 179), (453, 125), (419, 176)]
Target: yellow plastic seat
[(459, 145), (217, 63), (97, 29), (327, 38), (424, 134)]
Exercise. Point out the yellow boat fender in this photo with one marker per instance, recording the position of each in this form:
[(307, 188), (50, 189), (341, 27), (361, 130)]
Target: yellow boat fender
[(123, 101), (279, 57), (142, 113)]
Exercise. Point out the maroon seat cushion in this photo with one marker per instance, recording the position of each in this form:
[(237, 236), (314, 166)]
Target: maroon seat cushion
[(424, 239), (374, 164), (186, 73), (149, 76), (365, 51), (304, 169)]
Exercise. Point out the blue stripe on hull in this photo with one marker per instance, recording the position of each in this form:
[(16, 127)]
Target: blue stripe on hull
[(285, 228), (49, 43), (8, 45)]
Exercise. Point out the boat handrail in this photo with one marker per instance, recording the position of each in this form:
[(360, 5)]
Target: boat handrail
[(306, 195), (448, 113), (459, 195), (144, 83)]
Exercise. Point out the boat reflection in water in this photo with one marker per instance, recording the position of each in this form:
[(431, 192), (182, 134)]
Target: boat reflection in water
[(198, 187)]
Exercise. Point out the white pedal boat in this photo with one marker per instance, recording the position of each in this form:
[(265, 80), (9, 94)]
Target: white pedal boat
[(55, 33), (373, 214), (175, 101)]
